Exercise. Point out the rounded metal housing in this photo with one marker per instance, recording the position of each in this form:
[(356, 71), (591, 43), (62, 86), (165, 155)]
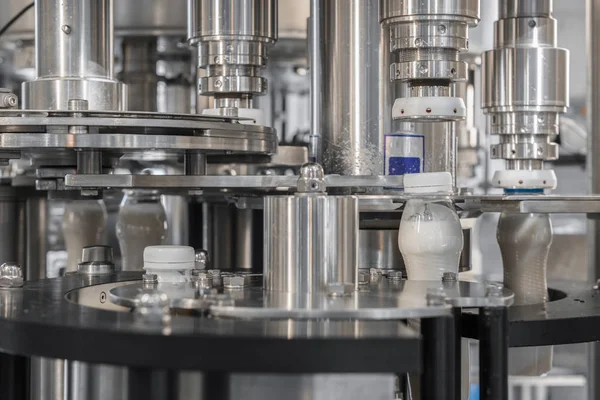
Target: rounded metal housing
[(412, 10), (311, 240)]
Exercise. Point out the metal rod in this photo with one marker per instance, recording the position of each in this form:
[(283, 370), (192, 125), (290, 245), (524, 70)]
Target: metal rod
[(350, 136), (493, 353), (438, 379), (316, 91)]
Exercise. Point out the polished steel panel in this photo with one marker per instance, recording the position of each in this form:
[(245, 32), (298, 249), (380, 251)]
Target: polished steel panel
[(220, 19), (409, 10), (36, 217), (350, 53), (311, 240)]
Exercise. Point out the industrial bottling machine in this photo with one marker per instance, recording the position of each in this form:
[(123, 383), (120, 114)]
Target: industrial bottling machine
[(282, 199)]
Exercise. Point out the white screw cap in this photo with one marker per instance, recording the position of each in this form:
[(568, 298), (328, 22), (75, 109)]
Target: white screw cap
[(430, 182), (169, 257)]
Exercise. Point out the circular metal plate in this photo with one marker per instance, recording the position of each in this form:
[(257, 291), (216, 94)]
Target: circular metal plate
[(132, 131), (381, 299), (51, 322)]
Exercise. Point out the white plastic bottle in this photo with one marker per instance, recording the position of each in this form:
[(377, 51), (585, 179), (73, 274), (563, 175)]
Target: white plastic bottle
[(141, 222), (430, 237)]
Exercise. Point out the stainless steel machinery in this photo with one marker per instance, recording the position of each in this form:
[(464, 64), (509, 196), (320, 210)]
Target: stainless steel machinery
[(265, 199)]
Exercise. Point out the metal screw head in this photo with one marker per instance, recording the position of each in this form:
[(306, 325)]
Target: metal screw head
[(312, 179), (66, 29), (435, 297), (152, 307), (449, 277), (375, 272), (11, 275), (236, 281), (338, 289)]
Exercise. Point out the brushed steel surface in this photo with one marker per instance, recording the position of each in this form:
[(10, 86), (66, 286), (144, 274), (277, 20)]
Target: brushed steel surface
[(350, 54), (310, 242)]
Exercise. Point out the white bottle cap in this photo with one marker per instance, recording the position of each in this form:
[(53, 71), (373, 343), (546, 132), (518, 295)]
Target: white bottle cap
[(169, 257), (430, 182)]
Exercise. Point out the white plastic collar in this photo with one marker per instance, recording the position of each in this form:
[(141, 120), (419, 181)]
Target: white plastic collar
[(430, 108), (539, 179)]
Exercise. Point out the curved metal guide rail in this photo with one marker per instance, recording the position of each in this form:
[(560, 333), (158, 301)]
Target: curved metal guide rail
[(131, 131), (381, 298)]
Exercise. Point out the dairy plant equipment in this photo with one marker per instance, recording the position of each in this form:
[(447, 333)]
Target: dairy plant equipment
[(292, 221)]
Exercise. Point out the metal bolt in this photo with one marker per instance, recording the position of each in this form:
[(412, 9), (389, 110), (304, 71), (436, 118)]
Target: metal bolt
[(450, 277), (435, 297), (312, 178), (337, 289), (66, 29), (11, 275), (152, 307), (236, 281), (201, 279), (149, 279), (11, 101)]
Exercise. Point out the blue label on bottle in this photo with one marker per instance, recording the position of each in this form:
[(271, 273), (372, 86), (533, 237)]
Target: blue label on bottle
[(403, 153)]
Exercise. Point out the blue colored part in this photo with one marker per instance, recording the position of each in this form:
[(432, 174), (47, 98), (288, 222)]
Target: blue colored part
[(404, 165), (523, 191), (474, 393)]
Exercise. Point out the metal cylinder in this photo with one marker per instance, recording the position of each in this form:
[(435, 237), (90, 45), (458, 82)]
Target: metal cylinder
[(140, 55), (311, 240), (379, 249), (350, 55), (232, 39), (74, 56), (525, 88), (426, 38)]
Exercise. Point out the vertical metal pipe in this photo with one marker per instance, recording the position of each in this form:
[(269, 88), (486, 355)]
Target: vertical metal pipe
[(593, 166), (243, 239), (74, 56), (81, 31), (493, 353), (316, 90), (350, 39)]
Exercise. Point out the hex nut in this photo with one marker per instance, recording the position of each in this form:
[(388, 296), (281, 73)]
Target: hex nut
[(395, 275), (11, 275)]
